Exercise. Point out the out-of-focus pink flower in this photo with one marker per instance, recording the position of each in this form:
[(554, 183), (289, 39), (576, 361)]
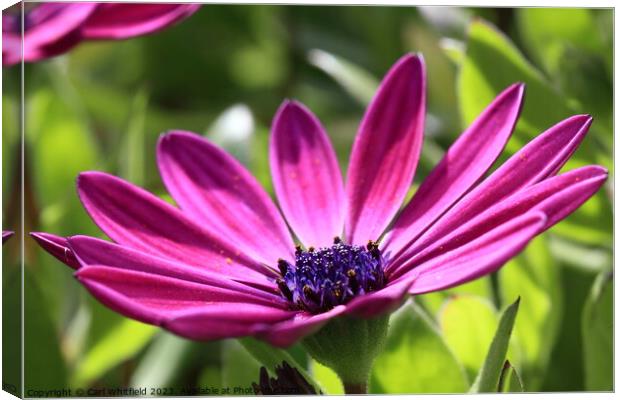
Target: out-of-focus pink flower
[(224, 264), (54, 28), (6, 235)]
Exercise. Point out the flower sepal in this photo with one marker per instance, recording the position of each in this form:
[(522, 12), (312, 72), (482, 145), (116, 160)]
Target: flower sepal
[(349, 346)]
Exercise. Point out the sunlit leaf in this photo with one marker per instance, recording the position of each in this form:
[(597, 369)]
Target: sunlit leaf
[(134, 142), (467, 324), (597, 328), (589, 258), (492, 62), (233, 130), (435, 300), (360, 84), (415, 358), (454, 49), (162, 361), (547, 31), (327, 378), (536, 277), (121, 343), (509, 380), (488, 377)]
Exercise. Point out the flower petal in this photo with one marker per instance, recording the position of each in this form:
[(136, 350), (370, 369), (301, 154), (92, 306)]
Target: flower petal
[(556, 197), (155, 299), (285, 334), (464, 163), (52, 23), (57, 246), (382, 301), (133, 217), (306, 176), (225, 320), (386, 151), (92, 251), (215, 189), (6, 235), (476, 259), (539, 159), (122, 20)]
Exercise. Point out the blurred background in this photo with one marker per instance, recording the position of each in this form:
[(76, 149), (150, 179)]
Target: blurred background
[(222, 73)]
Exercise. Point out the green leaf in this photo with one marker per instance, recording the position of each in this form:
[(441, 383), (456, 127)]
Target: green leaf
[(44, 366), (416, 359), (453, 49), (233, 130), (509, 380), (546, 31), (435, 300), (492, 62), (359, 83), (12, 339), (598, 339), (327, 378), (162, 361), (536, 277), (119, 344), (269, 356), (566, 371), (589, 258), (239, 368), (468, 324), (488, 377), (132, 161)]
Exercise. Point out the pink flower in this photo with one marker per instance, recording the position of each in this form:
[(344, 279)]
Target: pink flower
[(224, 264), (6, 235), (54, 28)]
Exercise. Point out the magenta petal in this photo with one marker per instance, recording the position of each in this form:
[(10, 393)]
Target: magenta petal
[(462, 166), (55, 28), (225, 320), (556, 197), (133, 217), (11, 49), (215, 189), (154, 298), (476, 259), (124, 20), (92, 251), (6, 235), (386, 151), (382, 301), (306, 176), (539, 159), (57, 246), (286, 333)]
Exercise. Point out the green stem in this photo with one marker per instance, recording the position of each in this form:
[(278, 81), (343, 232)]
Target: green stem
[(349, 347)]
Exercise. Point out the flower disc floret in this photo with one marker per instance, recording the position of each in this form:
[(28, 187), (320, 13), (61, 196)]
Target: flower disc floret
[(324, 278)]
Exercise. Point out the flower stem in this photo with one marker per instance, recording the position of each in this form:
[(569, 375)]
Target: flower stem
[(355, 388), (349, 347)]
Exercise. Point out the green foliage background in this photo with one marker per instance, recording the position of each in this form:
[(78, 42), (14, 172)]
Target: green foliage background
[(223, 73)]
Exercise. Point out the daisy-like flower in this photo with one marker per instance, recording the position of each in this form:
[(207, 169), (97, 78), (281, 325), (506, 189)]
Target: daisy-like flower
[(224, 264), (54, 28)]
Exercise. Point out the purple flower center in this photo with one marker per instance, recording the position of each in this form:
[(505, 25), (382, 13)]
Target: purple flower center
[(324, 278)]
